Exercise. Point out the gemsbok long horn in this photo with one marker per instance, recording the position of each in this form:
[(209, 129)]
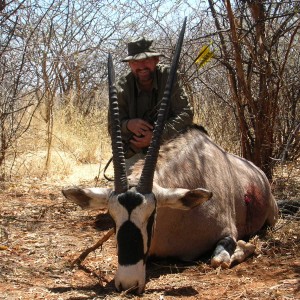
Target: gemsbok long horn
[(120, 181), (146, 181)]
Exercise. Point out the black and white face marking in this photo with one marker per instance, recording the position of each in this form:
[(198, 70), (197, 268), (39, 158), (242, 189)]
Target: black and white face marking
[(134, 215)]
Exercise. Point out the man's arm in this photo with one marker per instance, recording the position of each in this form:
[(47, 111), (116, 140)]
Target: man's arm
[(136, 133), (181, 113)]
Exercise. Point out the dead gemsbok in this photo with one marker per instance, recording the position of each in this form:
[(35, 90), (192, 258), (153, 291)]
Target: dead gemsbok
[(187, 198)]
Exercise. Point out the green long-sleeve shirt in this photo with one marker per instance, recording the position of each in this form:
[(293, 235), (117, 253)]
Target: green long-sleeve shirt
[(134, 103)]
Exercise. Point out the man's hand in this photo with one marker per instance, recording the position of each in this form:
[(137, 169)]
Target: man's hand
[(138, 126), (143, 141), (142, 131)]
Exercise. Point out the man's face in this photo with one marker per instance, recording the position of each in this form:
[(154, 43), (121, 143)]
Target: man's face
[(143, 69)]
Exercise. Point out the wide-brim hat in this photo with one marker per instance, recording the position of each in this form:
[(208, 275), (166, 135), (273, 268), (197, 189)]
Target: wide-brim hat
[(140, 49)]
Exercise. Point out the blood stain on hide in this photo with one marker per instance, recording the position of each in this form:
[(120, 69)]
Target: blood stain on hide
[(256, 208)]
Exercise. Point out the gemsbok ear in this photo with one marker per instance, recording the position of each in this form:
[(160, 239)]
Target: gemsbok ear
[(92, 198), (180, 198)]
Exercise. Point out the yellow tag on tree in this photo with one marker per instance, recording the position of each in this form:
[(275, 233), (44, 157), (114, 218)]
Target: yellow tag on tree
[(204, 56)]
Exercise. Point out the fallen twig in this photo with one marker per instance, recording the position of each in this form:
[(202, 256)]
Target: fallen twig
[(100, 277), (86, 252)]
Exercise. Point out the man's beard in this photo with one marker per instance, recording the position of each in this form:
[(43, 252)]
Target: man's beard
[(144, 79)]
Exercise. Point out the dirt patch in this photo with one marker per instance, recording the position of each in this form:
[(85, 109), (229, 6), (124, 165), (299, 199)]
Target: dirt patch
[(41, 234)]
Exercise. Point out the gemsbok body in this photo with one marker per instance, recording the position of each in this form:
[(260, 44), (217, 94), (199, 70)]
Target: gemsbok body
[(188, 197)]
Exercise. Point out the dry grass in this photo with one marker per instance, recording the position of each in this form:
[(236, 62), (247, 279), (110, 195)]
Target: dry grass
[(83, 140), (76, 140), (219, 122), (287, 181)]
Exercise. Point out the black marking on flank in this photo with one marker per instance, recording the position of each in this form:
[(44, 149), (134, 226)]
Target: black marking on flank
[(130, 244), (130, 200)]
